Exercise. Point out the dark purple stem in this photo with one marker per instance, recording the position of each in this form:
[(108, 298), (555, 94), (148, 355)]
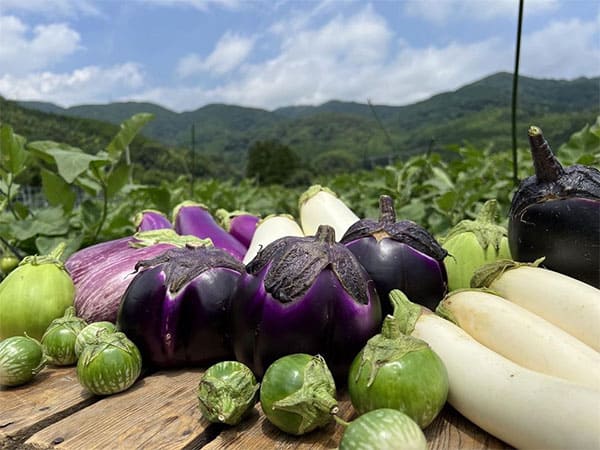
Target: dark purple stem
[(387, 213), (547, 167)]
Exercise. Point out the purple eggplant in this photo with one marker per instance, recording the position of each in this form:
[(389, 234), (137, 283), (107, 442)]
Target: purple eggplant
[(102, 272), (555, 214), (176, 309), (399, 255), (196, 220), (240, 224), (150, 219), (304, 295)]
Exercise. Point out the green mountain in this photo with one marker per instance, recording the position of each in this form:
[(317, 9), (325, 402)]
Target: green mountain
[(478, 113)]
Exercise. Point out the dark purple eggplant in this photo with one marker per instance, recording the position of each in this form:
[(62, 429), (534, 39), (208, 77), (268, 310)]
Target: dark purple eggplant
[(195, 219), (176, 309), (304, 295), (555, 214), (399, 255)]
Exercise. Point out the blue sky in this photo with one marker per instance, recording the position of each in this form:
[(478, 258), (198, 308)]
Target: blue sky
[(184, 54)]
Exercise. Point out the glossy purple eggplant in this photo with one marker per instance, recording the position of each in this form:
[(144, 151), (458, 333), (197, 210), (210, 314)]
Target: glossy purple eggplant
[(555, 214), (102, 272), (240, 224), (196, 220), (150, 219), (176, 309), (304, 295), (399, 255)]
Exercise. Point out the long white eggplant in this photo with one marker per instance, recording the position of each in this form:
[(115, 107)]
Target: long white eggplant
[(522, 336), (320, 206), (270, 229), (522, 407), (566, 302)]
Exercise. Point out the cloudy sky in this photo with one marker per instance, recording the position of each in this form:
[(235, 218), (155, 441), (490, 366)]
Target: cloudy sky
[(184, 54)]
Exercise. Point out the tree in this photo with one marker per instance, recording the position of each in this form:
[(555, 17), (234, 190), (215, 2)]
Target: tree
[(270, 162)]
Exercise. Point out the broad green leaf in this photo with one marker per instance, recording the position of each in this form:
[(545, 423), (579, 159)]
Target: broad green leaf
[(70, 161), (12, 150), (49, 221), (129, 129), (118, 177), (57, 190), (45, 244)]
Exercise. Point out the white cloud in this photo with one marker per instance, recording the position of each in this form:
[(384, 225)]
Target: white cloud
[(230, 51), (564, 49), (440, 11), (24, 50), (52, 7), (91, 84), (201, 5)]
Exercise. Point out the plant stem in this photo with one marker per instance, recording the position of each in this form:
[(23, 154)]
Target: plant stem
[(104, 211), (514, 95)]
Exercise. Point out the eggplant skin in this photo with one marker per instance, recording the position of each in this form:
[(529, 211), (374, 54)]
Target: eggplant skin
[(196, 317), (566, 232), (326, 320), (396, 265)]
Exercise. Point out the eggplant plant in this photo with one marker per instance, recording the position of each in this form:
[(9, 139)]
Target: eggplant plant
[(176, 308), (304, 295), (555, 214)]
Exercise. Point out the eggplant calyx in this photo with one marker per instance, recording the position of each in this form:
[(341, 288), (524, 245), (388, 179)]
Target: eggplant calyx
[(313, 402), (406, 313), (389, 346), (182, 265), (487, 274), (228, 401), (547, 167), (483, 227), (296, 262), (312, 191), (148, 238), (54, 257)]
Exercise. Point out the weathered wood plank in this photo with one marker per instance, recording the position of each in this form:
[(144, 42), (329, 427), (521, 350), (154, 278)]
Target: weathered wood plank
[(159, 411), (53, 394), (258, 433), (449, 431)]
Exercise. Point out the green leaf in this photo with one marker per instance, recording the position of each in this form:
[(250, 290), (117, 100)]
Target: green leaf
[(91, 212), (57, 190), (12, 150), (49, 221), (45, 244), (118, 178), (129, 129), (70, 161)]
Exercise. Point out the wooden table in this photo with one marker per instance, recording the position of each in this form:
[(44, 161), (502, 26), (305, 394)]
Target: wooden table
[(161, 412)]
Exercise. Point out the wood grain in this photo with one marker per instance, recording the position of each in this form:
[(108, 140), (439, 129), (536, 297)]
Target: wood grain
[(161, 412), (158, 412), (53, 394)]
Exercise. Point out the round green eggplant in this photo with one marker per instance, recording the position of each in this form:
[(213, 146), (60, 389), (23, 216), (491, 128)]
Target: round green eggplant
[(110, 365), (90, 333), (21, 358), (297, 393), (60, 337)]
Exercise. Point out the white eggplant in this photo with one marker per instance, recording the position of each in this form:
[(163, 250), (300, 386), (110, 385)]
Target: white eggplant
[(320, 206), (524, 408), (566, 302), (270, 229), (522, 336)]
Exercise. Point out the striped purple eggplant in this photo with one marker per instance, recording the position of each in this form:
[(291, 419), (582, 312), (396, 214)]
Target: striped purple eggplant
[(190, 218), (304, 295), (176, 308), (240, 224), (102, 272), (150, 219), (399, 255)]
